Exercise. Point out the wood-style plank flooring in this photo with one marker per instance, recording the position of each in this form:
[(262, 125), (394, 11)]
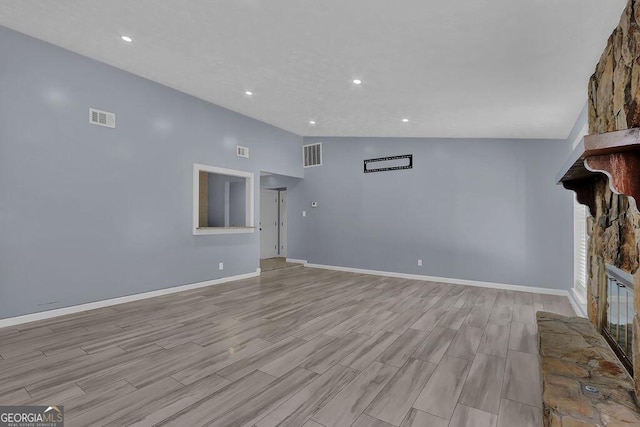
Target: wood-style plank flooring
[(294, 347)]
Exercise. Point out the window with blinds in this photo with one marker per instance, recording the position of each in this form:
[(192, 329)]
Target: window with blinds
[(580, 249)]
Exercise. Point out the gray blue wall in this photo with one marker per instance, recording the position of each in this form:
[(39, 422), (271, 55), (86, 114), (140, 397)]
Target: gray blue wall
[(90, 213), (226, 194), (216, 200), (272, 182), (484, 210), (237, 204)]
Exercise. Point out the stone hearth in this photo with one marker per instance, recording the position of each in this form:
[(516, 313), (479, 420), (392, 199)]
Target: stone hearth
[(573, 357)]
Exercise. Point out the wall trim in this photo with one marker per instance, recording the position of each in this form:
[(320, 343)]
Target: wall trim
[(578, 307), (297, 261), (464, 282), (18, 320)]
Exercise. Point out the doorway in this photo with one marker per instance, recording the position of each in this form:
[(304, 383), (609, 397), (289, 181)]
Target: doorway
[(273, 229), (269, 223)]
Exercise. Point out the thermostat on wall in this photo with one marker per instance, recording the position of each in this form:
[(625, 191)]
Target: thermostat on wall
[(314, 204)]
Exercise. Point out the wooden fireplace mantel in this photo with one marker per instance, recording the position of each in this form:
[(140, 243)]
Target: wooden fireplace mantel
[(612, 155)]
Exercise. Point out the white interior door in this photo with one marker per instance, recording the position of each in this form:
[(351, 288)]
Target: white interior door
[(268, 224)]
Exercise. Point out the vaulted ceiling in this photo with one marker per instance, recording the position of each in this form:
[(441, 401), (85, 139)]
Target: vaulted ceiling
[(467, 68)]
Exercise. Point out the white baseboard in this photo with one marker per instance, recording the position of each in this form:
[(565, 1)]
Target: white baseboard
[(578, 307), (12, 321), (465, 282)]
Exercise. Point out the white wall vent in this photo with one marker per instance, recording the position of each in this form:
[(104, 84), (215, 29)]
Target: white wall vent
[(242, 151), (312, 155), (102, 118)]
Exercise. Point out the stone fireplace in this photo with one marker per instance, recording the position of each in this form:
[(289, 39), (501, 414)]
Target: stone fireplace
[(605, 174)]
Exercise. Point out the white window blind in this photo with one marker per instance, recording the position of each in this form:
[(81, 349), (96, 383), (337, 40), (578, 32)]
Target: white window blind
[(580, 249)]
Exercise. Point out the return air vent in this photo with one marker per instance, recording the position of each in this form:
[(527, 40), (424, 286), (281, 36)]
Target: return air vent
[(102, 118), (312, 155), (242, 151)]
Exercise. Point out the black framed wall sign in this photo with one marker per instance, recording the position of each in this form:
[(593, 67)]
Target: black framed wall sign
[(391, 163)]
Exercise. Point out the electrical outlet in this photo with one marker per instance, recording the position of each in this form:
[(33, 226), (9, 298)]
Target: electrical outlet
[(304, 213), (419, 263), (221, 266)]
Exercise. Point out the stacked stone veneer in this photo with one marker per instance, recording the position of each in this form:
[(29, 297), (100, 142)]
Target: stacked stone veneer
[(614, 104), (573, 357)]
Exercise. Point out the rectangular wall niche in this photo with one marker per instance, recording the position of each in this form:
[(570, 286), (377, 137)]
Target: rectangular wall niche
[(222, 200)]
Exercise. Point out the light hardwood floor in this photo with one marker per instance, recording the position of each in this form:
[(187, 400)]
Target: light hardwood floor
[(297, 346)]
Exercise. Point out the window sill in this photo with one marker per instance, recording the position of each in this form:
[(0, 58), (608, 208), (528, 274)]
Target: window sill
[(200, 231)]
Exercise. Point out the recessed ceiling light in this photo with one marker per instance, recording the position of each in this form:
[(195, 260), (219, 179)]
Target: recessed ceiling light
[(357, 81), (126, 39), (248, 92), (312, 122), (405, 120)]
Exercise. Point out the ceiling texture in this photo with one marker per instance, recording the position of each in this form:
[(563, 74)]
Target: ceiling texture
[(468, 68)]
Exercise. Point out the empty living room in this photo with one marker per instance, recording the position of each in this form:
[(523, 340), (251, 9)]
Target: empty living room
[(319, 213)]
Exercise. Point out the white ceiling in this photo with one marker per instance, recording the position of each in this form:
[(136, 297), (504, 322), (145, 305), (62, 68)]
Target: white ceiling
[(467, 68)]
